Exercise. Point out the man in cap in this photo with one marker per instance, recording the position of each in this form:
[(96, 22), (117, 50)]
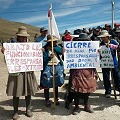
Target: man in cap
[(118, 35), (43, 37), (90, 33), (116, 26), (13, 40), (67, 36), (94, 37)]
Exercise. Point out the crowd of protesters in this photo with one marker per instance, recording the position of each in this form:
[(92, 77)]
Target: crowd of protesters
[(106, 36), (93, 33), (82, 82)]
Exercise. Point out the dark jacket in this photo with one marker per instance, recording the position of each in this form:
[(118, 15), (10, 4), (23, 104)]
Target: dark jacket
[(46, 57)]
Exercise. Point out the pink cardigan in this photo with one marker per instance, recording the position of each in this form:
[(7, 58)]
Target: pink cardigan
[(113, 46)]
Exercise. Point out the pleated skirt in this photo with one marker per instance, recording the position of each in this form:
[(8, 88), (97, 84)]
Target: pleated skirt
[(22, 85)]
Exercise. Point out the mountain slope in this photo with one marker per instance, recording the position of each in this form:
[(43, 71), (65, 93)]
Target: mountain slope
[(9, 28)]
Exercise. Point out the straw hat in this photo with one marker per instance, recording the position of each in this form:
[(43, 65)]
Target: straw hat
[(104, 33), (118, 30), (22, 31), (49, 38)]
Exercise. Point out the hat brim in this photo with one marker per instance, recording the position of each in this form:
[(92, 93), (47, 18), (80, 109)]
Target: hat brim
[(103, 36), (117, 25), (84, 39), (25, 35), (44, 30), (51, 40)]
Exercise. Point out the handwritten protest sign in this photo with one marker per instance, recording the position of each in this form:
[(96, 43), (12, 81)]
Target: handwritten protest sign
[(81, 54), (21, 57), (107, 60)]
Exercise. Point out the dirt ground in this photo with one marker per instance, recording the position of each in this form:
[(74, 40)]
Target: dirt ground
[(104, 108)]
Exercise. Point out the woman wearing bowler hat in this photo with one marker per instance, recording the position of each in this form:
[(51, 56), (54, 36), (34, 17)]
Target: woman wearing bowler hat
[(82, 82), (23, 83)]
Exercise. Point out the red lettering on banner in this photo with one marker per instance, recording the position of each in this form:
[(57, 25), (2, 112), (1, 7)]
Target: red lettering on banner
[(27, 67), (36, 47), (33, 67), (27, 47), (7, 47), (17, 61), (23, 61), (12, 61), (23, 57), (12, 47), (17, 68)]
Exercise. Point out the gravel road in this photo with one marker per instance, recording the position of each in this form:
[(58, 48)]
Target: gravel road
[(104, 108)]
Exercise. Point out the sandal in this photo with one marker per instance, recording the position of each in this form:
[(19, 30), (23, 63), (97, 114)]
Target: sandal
[(87, 108), (48, 103)]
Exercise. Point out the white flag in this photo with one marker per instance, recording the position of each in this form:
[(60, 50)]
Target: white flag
[(55, 31)]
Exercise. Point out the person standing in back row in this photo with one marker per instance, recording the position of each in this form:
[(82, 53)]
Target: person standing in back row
[(42, 37)]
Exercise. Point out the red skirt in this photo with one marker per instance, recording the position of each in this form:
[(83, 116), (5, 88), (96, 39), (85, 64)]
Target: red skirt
[(84, 80)]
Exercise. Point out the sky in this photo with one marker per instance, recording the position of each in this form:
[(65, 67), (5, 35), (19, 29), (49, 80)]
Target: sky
[(69, 14)]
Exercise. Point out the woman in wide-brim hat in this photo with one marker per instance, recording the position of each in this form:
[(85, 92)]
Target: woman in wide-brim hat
[(46, 81), (23, 83), (113, 45)]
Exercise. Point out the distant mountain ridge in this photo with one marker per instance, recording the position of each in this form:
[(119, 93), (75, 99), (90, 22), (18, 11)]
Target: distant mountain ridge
[(9, 28)]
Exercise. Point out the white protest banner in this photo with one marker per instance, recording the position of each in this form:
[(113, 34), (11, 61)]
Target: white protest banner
[(106, 58), (23, 57), (81, 54)]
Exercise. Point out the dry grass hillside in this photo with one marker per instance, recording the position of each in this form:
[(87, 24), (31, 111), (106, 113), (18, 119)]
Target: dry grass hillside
[(9, 28)]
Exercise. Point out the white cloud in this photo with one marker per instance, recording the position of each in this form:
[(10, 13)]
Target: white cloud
[(41, 18), (95, 24), (72, 11), (4, 4), (78, 2), (35, 4), (69, 2), (33, 19)]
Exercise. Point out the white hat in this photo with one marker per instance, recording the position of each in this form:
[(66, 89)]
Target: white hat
[(104, 33), (118, 30), (22, 31)]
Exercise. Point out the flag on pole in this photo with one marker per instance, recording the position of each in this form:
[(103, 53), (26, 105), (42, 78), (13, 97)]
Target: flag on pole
[(55, 31)]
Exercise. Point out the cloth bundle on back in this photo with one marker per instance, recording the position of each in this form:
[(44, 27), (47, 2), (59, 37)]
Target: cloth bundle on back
[(46, 81)]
